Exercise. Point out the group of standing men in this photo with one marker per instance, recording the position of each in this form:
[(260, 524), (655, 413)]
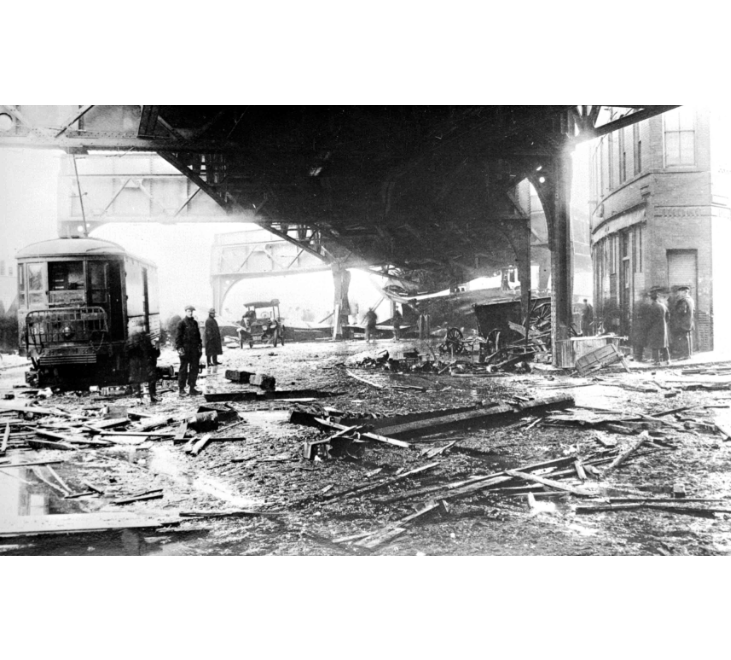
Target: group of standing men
[(657, 326), (189, 345)]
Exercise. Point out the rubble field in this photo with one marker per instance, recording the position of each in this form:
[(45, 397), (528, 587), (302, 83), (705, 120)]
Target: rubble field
[(391, 448)]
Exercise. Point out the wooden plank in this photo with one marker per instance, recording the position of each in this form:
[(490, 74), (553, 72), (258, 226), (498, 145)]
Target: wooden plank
[(51, 445), (154, 495), (387, 482), (6, 436), (155, 422), (37, 472), (29, 464), (604, 440), (384, 536), (644, 437), (126, 439), (580, 492), (73, 523), (580, 470), (199, 446), (91, 486), (149, 434), (723, 427), (180, 432), (448, 420), (426, 509), (369, 436), (662, 500), (110, 423), (26, 408), (239, 513), (363, 380), (471, 489), (75, 496), (55, 475)]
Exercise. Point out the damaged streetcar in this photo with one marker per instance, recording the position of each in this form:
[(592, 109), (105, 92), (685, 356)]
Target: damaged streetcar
[(77, 300)]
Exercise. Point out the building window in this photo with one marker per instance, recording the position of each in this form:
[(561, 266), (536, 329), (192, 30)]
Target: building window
[(610, 155), (637, 250), (637, 141), (2, 268), (679, 137), (622, 158)]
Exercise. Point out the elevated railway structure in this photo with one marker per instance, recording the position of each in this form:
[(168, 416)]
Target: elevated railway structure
[(413, 191)]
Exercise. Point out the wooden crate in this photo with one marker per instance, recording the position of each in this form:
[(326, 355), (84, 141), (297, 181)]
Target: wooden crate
[(601, 357)]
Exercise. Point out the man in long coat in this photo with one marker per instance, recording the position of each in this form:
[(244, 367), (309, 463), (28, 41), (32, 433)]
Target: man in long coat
[(682, 322), (638, 334), (142, 357), (396, 321), (657, 329), (587, 319), (189, 346), (212, 340)]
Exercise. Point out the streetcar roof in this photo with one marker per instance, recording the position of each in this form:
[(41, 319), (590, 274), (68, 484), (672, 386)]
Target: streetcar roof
[(66, 247)]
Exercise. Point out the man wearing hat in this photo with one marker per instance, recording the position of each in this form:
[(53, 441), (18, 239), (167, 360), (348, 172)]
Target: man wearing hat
[(682, 322), (189, 346), (656, 319), (212, 341)]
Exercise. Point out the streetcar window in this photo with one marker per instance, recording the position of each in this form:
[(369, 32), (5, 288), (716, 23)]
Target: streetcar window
[(66, 275), (21, 285), (35, 284), (98, 281)]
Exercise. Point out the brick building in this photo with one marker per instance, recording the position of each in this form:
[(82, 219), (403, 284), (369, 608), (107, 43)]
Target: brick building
[(660, 193)]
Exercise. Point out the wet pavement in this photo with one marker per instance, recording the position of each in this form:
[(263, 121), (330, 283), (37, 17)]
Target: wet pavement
[(266, 471)]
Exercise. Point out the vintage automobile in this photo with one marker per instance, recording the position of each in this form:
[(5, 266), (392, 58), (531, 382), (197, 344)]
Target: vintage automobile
[(77, 300), (259, 323)]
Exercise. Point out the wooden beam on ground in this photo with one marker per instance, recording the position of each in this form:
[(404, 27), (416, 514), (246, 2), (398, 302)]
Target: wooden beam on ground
[(51, 445), (369, 436), (557, 485), (73, 523), (480, 415), (6, 436), (387, 482), (199, 446), (644, 437), (152, 495), (29, 464), (239, 513)]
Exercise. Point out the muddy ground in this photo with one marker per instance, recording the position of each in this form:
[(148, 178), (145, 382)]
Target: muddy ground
[(271, 474)]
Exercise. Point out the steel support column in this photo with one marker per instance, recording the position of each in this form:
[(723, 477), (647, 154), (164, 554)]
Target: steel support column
[(341, 281), (554, 191), (562, 267)]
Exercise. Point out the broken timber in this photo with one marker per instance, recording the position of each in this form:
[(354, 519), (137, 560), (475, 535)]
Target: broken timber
[(623, 457), (263, 396), (387, 482), (479, 415), (550, 483), (73, 523), (6, 436), (368, 436)]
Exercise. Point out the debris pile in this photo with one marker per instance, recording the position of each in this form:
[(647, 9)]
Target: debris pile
[(513, 360), (37, 427), (389, 430)]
